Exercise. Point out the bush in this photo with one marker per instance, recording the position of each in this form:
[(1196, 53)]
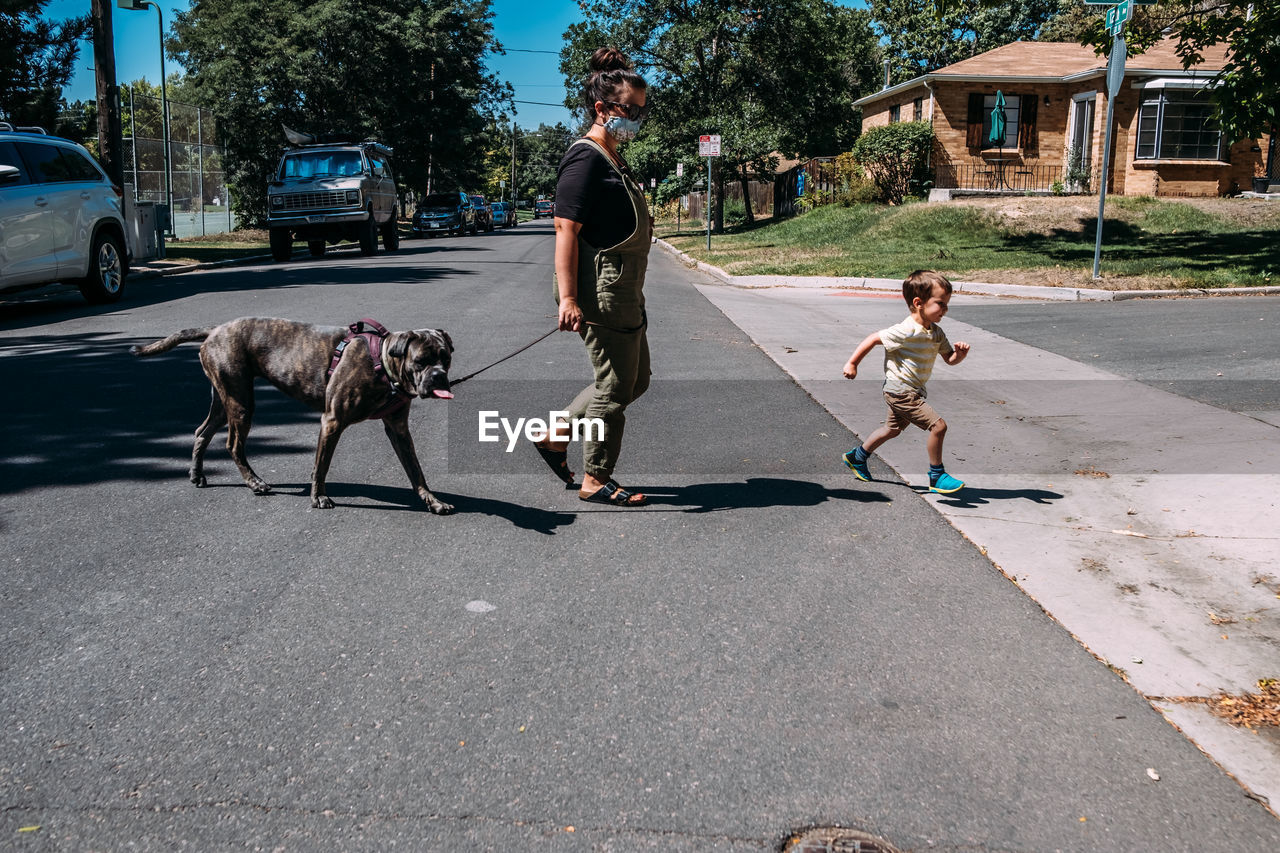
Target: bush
[(853, 185), (735, 212), (896, 157)]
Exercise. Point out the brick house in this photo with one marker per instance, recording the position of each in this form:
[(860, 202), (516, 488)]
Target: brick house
[(1165, 142)]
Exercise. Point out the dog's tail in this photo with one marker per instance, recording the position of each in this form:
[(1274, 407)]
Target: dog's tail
[(186, 336)]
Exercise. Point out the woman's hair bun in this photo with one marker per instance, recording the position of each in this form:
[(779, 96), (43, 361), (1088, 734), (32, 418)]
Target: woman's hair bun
[(609, 59)]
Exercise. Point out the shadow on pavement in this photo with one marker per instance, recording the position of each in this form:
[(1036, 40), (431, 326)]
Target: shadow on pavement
[(970, 497), (755, 493), (81, 410), (54, 303)]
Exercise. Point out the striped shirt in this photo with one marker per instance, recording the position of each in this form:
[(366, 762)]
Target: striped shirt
[(909, 353)]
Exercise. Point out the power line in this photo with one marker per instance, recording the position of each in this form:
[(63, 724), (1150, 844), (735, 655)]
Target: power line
[(539, 103), (522, 50)]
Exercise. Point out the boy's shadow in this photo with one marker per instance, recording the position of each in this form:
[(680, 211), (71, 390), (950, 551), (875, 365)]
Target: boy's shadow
[(970, 497), (755, 493)]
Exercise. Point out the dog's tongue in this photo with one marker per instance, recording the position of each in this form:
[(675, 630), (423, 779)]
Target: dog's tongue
[(441, 393)]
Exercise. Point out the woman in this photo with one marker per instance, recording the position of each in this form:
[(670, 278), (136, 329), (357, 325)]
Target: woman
[(603, 233)]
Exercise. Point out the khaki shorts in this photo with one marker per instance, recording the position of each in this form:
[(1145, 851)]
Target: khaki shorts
[(909, 408)]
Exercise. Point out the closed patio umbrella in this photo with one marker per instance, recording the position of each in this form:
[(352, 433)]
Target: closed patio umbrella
[(997, 121)]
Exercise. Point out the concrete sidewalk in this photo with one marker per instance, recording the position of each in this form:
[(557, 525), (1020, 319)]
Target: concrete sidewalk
[(1080, 497)]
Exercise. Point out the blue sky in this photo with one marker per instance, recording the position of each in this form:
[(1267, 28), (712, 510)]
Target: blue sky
[(521, 26)]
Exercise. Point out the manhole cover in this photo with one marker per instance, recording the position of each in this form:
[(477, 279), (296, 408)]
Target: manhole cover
[(835, 839)]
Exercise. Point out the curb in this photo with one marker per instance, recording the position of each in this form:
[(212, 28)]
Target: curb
[(1025, 291)]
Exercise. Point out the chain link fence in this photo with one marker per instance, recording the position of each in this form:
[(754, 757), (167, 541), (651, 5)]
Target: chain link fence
[(201, 203)]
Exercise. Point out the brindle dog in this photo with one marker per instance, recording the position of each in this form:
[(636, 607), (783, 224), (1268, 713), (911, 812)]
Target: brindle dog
[(295, 358)]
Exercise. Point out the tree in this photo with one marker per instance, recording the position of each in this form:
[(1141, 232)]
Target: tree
[(925, 35), (538, 154), (770, 78), (37, 61), (410, 73)]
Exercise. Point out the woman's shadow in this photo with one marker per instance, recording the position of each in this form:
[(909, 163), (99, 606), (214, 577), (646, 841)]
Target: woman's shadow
[(755, 493)]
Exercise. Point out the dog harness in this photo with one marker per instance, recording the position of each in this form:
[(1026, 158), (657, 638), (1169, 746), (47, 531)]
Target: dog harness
[(373, 333)]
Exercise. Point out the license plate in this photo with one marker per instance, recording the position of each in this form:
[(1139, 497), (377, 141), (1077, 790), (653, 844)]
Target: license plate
[(435, 224)]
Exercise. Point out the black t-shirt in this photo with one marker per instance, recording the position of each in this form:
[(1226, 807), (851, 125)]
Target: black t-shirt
[(589, 190)]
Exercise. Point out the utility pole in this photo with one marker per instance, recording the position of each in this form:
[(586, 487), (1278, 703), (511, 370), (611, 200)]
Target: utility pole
[(515, 194), (110, 132)]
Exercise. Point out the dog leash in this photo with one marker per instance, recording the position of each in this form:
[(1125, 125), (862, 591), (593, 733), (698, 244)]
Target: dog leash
[(454, 382)]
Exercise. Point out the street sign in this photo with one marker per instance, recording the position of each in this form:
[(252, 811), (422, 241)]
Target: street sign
[(1118, 14), (1115, 67), (709, 146), (679, 170)]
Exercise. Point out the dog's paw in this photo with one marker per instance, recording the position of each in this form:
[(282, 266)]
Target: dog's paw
[(440, 507), (199, 481), (260, 488), (322, 502)]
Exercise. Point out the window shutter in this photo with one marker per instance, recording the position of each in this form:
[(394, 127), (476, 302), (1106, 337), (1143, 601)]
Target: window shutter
[(973, 133), (1027, 139)]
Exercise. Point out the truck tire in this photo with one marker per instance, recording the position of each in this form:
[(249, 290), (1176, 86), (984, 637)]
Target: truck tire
[(317, 248), (368, 235), (107, 270), (281, 244), (391, 233)]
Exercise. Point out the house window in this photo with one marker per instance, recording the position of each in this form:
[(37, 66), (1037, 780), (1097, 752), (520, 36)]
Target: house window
[(895, 113), (1012, 111), (1176, 125), (917, 109)]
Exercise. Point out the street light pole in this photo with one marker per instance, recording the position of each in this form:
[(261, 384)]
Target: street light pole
[(137, 6)]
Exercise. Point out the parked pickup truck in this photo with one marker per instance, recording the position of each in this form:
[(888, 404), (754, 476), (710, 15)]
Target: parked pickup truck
[(330, 192)]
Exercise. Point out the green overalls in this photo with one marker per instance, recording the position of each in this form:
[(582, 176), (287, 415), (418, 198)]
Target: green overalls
[(611, 296)]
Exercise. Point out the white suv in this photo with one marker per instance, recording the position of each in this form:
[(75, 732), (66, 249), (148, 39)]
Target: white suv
[(61, 218)]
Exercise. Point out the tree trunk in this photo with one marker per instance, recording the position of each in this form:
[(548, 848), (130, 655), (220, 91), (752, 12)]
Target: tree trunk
[(746, 194)]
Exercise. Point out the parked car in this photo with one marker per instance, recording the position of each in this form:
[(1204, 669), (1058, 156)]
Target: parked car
[(504, 214), (484, 215), (543, 208), (444, 213), (61, 218), (333, 191)]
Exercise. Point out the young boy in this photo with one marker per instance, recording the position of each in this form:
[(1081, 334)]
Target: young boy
[(909, 351)]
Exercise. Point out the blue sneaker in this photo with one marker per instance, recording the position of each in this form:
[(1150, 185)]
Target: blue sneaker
[(945, 484), (859, 469)]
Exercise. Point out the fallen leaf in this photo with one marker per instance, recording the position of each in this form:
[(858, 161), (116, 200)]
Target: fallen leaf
[(1151, 771), (28, 829)]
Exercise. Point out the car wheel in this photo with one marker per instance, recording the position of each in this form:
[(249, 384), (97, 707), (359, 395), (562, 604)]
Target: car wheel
[(368, 236), (105, 281), (281, 244), (316, 247), (391, 234)]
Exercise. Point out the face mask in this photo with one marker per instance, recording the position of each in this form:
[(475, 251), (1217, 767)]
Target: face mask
[(622, 128)]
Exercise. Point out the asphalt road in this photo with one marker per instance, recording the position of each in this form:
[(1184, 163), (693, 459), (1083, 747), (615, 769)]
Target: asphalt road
[(762, 650)]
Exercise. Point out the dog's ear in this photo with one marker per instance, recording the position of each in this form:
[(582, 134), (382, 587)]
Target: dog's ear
[(400, 345), (447, 340)]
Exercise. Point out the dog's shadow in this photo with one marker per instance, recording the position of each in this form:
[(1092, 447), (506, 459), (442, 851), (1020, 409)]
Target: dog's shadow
[(350, 496), (970, 497)]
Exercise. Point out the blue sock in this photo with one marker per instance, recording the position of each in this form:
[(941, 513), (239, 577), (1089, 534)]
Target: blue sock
[(860, 455), (936, 471)]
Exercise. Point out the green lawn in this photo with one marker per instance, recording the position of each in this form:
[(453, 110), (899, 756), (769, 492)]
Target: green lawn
[(1146, 243)]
